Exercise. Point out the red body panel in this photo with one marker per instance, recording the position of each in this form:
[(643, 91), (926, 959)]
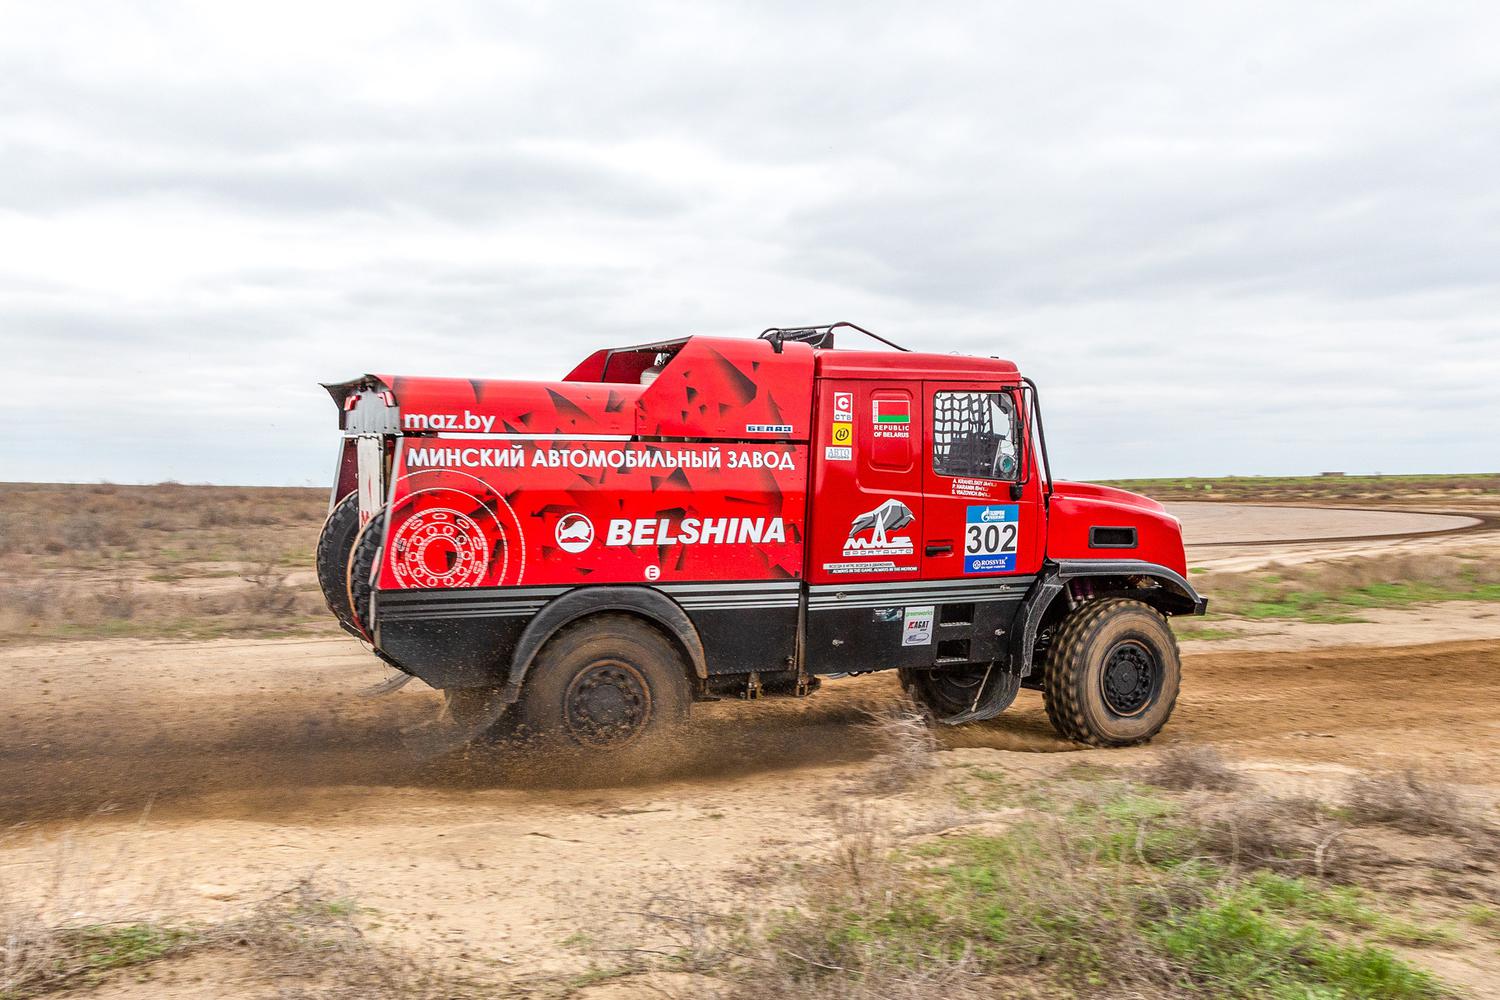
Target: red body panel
[(480, 406), (1076, 507), (482, 512), (731, 390)]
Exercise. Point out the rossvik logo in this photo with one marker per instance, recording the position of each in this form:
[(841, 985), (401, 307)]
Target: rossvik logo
[(880, 522), (574, 532)]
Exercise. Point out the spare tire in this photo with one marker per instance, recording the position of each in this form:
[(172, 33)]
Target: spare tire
[(335, 543), (360, 577)]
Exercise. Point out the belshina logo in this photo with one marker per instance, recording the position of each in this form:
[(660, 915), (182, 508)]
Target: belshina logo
[(889, 516), (574, 532)]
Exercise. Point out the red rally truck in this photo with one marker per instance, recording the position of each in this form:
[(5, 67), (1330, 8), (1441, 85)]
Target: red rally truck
[(580, 560)]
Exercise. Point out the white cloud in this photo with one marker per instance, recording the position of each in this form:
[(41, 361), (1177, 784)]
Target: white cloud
[(1223, 239)]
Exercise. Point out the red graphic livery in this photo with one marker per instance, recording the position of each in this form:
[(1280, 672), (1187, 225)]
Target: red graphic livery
[(579, 560)]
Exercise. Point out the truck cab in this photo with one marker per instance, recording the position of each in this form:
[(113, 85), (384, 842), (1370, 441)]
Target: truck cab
[(579, 560)]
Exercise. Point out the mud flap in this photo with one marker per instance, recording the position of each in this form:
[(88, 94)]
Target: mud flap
[(387, 686), (445, 735), (996, 693)]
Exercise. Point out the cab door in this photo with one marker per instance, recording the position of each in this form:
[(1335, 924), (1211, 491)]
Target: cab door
[(982, 496)]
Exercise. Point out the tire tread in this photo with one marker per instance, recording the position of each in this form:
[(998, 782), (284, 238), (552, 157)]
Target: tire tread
[(1067, 663)]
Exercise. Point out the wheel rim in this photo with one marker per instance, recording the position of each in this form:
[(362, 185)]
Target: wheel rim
[(607, 704), (1131, 678)]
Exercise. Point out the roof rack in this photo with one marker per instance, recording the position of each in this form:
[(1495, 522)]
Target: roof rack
[(817, 336)]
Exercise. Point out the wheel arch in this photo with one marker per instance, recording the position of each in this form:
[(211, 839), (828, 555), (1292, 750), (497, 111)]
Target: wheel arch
[(1075, 580), (645, 603)]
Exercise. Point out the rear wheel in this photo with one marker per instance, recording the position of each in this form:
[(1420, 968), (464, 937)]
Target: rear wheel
[(335, 542), (605, 683), (1112, 674)]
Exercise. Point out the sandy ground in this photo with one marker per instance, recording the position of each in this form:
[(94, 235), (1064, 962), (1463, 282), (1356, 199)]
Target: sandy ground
[(188, 779)]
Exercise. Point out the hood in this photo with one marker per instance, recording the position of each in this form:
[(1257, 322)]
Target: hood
[(1123, 498)]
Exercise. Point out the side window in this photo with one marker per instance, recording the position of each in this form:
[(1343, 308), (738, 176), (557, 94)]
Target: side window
[(974, 435)]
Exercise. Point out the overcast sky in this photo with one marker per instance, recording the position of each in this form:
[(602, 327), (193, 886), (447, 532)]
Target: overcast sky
[(1260, 238)]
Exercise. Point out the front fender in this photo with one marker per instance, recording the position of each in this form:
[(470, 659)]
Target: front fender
[(1171, 595)]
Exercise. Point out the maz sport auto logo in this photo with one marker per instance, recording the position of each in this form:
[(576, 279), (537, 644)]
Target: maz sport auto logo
[(880, 522)]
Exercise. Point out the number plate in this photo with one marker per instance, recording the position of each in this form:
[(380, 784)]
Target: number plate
[(990, 538)]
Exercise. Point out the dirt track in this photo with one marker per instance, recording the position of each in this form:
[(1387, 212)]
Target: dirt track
[(260, 749)]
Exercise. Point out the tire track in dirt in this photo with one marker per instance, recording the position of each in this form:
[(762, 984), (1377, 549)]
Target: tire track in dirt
[(237, 748)]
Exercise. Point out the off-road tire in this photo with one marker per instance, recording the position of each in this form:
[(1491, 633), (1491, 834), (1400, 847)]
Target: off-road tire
[(359, 575), (945, 693), (603, 684), (335, 543), (1112, 674)]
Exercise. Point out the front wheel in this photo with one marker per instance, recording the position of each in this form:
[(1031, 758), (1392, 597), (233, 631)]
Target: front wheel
[(606, 683), (1112, 674)]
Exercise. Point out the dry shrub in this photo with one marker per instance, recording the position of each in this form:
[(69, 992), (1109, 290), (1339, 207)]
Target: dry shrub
[(1193, 767), (1414, 804), (903, 733), (1292, 836), (269, 593), (304, 941)]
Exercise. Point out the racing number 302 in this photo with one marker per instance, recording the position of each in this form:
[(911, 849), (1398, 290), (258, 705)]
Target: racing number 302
[(990, 535), (990, 539)]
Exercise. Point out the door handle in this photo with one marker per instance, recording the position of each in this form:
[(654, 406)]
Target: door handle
[(939, 548)]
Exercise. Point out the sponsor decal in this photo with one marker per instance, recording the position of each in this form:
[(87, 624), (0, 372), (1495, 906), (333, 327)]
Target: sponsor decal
[(843, 406), (870, 532), (891, 418), (768, 428), (575, 532), (439, 548), (990, 534), (884, 566), (916, 629), (695, 531), (653, 573), (842, 434), (833, 454), (514, 457), (886, 615), (465, 421)]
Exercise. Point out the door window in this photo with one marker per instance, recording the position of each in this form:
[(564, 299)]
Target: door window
[(974, 435)]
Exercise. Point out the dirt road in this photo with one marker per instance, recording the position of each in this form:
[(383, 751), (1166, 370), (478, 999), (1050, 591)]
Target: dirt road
[(256, 773), (228, 729)]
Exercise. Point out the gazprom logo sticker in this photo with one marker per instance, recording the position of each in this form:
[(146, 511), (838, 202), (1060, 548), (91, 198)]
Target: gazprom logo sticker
[(990, 536)]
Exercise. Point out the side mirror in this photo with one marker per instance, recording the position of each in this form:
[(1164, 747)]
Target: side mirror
[(1017, 490)]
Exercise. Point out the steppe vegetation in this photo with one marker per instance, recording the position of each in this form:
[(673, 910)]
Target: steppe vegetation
[(172, 561), (1180, 878), (1482, 487)]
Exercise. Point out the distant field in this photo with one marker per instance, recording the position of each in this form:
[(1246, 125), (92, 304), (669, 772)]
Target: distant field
[(174, 561), (164, 561), (1478, 486)]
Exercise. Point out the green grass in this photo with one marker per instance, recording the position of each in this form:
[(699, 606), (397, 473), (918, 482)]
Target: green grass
[(1206, 633), (1343, 605), (1108, 895), (1313, 487)]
